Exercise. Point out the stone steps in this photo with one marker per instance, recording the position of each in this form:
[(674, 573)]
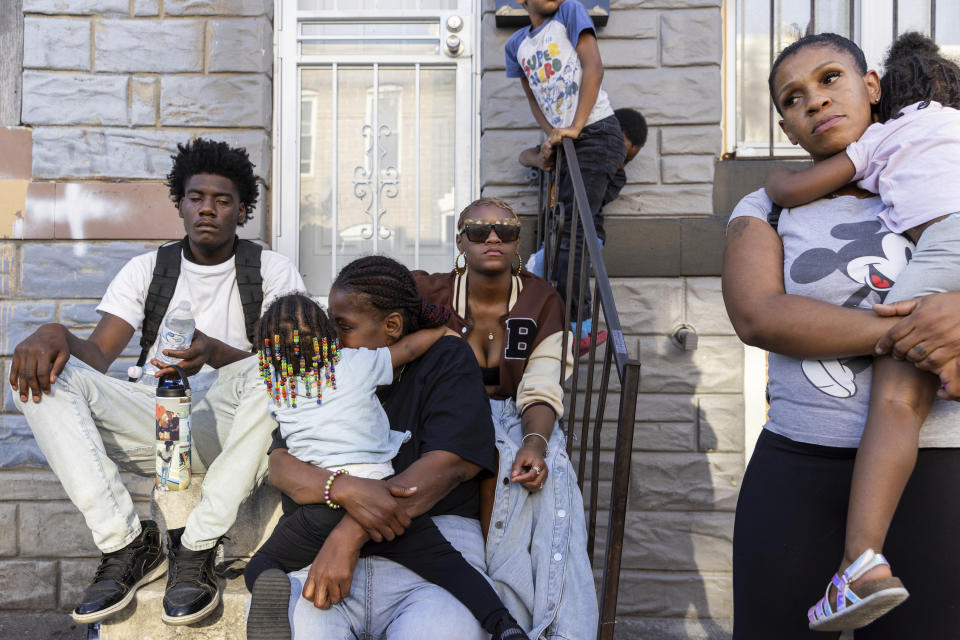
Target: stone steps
[(255, 520), (141, 620)]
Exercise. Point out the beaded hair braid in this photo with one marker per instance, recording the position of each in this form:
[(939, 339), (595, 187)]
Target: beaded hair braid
[(297, 341), (389, 286)]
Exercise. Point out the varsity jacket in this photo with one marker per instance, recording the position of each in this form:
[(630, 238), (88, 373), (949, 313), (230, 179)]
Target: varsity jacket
[(530, 363)]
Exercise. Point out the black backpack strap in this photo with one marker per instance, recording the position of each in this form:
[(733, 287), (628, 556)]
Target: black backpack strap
[(250, 283), (162, 285), (774, 216)]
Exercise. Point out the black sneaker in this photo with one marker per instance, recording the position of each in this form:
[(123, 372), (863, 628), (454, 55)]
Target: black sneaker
[(193, 590), (120, 574), (269, 602)]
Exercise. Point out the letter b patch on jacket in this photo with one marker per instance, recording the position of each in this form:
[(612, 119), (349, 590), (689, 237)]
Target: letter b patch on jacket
[(521, 332)]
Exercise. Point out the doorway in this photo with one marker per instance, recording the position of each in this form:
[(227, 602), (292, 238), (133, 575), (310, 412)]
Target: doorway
[(376, 132)]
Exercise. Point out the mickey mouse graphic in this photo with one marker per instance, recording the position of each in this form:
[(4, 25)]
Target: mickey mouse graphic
[(871, 257)]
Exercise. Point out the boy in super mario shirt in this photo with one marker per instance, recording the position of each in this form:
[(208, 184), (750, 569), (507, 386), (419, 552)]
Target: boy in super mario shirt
[(558, 62)]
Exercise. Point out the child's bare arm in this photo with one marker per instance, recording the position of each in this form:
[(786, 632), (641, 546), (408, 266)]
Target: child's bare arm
[(535, 107), (412, 346), (592, 65), (789, 188)]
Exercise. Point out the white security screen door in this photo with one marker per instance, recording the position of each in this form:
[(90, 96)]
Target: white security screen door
[(376, 131)]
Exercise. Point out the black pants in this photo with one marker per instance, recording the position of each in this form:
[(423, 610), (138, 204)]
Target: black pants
[(297, 539), (788, 541), (600, 151)]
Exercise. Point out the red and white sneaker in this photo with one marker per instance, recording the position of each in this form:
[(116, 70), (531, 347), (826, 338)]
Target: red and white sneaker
[(584, 346)]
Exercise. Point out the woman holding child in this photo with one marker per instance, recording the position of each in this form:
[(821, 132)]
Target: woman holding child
[(803, 289), (437, 397)]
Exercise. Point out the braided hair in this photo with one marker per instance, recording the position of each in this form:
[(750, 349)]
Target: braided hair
[(503, 205), (389, 286), (294, 311), (295, 338), (916, 72)]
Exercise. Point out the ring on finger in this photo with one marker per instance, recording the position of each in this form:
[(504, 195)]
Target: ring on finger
[(541, 486), (538, 469)]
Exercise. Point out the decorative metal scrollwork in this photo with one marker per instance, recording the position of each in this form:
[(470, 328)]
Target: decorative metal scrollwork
[(387, 183)]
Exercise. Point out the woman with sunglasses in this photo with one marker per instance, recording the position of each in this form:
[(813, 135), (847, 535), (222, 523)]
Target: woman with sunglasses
[(513, 321)]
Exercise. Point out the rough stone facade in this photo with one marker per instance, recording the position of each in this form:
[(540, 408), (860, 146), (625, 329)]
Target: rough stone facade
[(110, 87), (663, 58)]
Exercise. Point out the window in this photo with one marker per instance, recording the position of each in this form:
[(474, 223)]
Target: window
[(757, 30), (376, 131), (308, 137)]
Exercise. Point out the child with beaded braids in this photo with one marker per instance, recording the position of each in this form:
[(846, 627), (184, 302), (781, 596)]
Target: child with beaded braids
[(324, 398), (911, 158)]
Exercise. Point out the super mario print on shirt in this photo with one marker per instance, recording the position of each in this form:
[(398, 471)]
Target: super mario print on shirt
[(547, 58)]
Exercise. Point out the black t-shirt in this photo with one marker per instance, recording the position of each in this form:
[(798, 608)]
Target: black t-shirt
[(441, 400)]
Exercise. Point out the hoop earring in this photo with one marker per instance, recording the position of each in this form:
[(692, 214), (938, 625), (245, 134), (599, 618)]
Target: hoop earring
[(457, 269), (519, 267)]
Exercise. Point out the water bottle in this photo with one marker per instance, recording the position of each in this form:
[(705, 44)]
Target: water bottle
[(172, 449), (176, 332)]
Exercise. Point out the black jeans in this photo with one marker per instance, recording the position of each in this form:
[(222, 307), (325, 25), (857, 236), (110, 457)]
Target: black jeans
[(601, 151), (298, 536), (788, 541)]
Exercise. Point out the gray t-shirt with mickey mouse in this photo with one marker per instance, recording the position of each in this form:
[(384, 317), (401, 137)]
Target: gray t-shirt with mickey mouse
[(836, 250)]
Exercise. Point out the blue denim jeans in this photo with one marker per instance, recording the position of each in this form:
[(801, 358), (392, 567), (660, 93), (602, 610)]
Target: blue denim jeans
[(537, 544), (92, 424), (601, 151), (390, 602)]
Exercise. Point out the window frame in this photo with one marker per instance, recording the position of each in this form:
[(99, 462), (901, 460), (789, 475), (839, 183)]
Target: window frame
[(872, 17)]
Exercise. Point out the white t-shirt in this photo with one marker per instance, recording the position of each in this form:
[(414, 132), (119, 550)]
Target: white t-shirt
[(547, 58), (913, 163), (349, 426), (211, 289)]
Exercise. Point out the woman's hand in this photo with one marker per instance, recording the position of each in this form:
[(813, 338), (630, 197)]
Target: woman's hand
[(331, 574), (529, 468), (373, 504), (930, 334)]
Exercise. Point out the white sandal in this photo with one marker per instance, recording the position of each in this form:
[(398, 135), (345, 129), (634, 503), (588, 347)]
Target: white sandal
[(857, 609)]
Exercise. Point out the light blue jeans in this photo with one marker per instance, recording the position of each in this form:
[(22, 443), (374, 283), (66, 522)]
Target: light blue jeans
[(390, 602), (537, 544), (92, 423)]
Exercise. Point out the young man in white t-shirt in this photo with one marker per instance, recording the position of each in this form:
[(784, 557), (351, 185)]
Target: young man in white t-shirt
[(87, 423)]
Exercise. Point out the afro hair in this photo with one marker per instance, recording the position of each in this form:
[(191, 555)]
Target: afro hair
[(218, 158)]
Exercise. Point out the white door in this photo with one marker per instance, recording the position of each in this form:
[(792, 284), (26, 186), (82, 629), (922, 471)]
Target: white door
[(376, 133)]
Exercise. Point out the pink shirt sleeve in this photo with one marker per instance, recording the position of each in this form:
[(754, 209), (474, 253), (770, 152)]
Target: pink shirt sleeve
[(865, 158)]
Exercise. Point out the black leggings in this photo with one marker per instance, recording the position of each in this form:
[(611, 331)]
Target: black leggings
[(297, 539), (788, 541)]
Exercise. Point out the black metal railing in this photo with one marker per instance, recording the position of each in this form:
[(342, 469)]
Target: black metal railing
[(552, 224)]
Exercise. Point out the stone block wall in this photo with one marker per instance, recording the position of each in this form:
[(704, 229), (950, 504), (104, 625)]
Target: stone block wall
[(663, 58), (109, 87)]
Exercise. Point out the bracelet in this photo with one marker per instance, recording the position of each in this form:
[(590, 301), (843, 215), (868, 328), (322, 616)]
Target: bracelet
[(546, 444), (327, 487)]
